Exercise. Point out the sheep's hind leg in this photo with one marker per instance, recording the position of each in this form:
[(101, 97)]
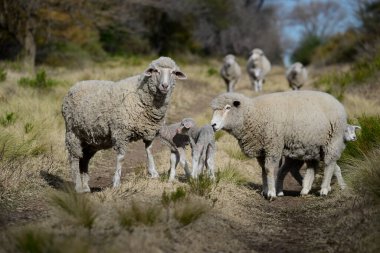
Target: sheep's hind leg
[(338, 174), (83, 168), (77, 176), (309, 177), (183, 161), (210, 162), (270, 166), (119, 163), (174, 159), (151, 167), (328, 172)]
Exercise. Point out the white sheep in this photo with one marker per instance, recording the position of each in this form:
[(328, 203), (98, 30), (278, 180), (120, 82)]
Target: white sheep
[(258, 66), (230, 72), (104, 114), (296, 76), (177, 142), (302, 125), (295, 165)]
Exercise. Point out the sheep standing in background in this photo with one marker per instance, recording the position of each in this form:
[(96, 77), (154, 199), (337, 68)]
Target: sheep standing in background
[(301, 125), (177, 142), (202, 141), (294, 166), (258, 66), (104, 114), (230, 72), (296, 76)]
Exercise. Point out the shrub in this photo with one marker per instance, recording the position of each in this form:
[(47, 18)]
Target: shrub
[(202, 186), (139, 213), (39, 82), (212, 72), (305, 50)]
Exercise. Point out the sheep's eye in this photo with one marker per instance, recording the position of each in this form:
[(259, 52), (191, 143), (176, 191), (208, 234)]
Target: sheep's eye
[(227, 107)]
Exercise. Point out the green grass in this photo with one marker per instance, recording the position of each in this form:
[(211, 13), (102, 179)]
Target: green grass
[(202, 186), (237, 154), (77, 207), (139, 214), (230, 174), (173, 197), (8, 119), (3, 74), (33, 240), (219, 135), (41, 81), (189, 211)]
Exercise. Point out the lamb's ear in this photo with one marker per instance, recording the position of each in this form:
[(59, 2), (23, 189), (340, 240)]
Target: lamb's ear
[(179, 74), (188, 125), (357, 127), (149, 71), (236, 103)]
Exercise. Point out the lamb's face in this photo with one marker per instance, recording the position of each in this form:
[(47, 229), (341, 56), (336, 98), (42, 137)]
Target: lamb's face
[(186, 125), (164, 77), (350, 134), (221, 118)]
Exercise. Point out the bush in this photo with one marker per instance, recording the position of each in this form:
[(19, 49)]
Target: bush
[(39, 82), (202, 186), (305, 50), (139, 213), (189, 211)]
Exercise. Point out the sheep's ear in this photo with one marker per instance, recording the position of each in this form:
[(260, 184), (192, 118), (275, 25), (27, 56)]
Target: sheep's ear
[(149, 71), (188, 124), (236, 103), (357, 127), (179, 74)]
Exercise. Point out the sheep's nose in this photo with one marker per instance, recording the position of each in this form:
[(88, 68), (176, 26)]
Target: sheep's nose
[(165, 85), (214, 126)]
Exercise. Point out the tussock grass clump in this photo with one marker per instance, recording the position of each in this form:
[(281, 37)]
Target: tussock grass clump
[(8, 119), (78, 207), (202, 186), (3, 74), (231, 174), (173, 197), (139, 213), (33, 240), (237, 154), (188, 211), (41, 81)]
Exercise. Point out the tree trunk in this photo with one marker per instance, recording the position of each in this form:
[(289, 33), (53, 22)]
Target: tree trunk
[(29, 47)]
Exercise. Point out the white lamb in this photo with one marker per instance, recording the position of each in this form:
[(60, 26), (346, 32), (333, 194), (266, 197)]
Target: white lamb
[(104, 114), (230, 72), (258, 66), (296, 76), (301, 125)]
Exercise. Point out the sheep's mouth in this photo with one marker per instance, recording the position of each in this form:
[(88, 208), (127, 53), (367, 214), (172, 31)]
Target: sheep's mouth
[(163, 90)]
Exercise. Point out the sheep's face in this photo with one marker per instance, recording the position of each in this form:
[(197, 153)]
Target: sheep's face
[(186, 125), (350, 134), (221, 117), (164, 78), (229, 60), (256, 54)]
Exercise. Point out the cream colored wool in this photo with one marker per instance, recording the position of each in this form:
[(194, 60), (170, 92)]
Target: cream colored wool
[(296, 76)]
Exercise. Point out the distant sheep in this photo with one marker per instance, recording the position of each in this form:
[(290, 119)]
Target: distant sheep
[(177, 142), (258, 66), (230, 72), (301, 125), (296, 76), (104, 114)]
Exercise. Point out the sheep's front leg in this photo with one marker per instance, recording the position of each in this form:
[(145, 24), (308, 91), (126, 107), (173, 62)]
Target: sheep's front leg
[(307, 181), (271, 165), (151, 167), (195, 161), (210, 162), (256, 85), (261, 162), (174, 159), (338, 174), (231, 86), (119, 163), (183, 161), (327, 175), (79, 180)]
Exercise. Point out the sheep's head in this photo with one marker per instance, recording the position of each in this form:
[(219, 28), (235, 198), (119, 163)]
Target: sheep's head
[(229, 60), (227, 109), (256, 54), (163, 72), (349, 132), (185, 126)]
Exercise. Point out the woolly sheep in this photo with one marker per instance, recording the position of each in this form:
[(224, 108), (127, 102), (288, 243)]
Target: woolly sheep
[(302, 125), (258, 66), (296, 76), (104, 114), (230, 72), (294, 166), (202, 141), (177, 142)]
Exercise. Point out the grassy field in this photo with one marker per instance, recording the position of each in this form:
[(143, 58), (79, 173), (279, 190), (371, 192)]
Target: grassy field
[(39, 212)]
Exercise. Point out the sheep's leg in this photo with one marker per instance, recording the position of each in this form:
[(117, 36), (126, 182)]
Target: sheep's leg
[(328, 172), (183, 161), (83, 168), (77, 177), (256, 85), (260, 84), (210, 162), (231, 86), (119, 163), (151, 167), (338, 174), (309, 177), (288, 165), (270, 166), (195, 161), (295, 171), (174, 159), (261, 162)]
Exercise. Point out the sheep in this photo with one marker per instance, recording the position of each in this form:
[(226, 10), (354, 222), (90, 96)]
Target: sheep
[(230, 72), (301, 125), (296, 76), (177, 143), (258, 66), (103, 114), (294, 166), (202, 141)]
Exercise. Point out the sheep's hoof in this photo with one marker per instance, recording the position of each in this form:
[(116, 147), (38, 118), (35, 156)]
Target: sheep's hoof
[(154, 175), (324, 192), (82, 189), (280, 194), (271, 196), (304, 192), (342, 187)]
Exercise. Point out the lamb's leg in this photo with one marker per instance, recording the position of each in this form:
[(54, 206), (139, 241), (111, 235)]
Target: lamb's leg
[(183, 161), (309, 177), (174, 159), (338, 174), (195, 161), (151, 167), (327, 175), (210, 162), (119, 163)]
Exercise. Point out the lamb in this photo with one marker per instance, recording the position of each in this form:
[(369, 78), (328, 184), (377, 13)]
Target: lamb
[(177, 142), (103, 114), (202, 141), (258, 66), (294, 166), (296, 76), (230, 72), (301, 125)]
